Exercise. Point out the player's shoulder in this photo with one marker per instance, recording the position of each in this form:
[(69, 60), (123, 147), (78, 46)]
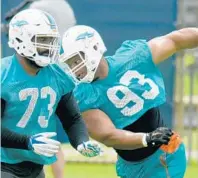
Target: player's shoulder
[(133, 53), (6, 64), (132, 46), (59, 72), (64, 80), (85, 93), (56, 68), (81, 90)]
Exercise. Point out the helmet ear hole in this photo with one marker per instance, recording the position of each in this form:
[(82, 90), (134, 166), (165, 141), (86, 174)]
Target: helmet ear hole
[(95, 47), (33, 38), (20, 41)]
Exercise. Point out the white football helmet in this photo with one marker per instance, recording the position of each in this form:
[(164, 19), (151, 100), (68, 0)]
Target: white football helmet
[(34, 35), (83, 49)]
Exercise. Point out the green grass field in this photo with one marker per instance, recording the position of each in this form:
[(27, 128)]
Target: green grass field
[(79, 170)]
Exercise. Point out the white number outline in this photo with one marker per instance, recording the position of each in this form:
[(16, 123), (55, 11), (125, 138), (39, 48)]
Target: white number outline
[(23, 95), (130, 96), (33, 93), (45, 91)]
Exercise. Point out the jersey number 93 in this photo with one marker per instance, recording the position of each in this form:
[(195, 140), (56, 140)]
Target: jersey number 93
[(130, 96)]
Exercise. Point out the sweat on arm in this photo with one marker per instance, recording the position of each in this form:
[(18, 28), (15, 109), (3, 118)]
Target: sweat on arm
[(71, 119)]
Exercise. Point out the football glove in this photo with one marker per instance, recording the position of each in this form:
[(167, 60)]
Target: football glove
[(158, 137), (42, 144), (89, 149)]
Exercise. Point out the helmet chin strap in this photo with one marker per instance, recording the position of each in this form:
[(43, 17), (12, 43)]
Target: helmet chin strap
[(90, 75), (92, 72), (40, 60), (89, 78)]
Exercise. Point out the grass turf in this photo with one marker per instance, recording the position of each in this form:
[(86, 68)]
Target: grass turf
[(83, 170)]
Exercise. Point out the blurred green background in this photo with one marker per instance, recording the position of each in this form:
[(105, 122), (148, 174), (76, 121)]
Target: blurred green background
[(84, 170)]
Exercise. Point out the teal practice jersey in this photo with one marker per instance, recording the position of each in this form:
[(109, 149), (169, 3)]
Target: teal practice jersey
[(133, 85), (31, 102)]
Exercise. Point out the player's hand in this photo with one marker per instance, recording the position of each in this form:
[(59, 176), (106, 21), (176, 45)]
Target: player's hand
[(159, 136), (89, 149), (42, 144)]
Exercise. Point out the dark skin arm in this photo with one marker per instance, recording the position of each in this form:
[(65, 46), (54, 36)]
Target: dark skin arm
[(165, 46), (101, 128)]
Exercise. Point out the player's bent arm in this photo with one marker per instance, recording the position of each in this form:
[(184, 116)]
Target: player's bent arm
[(71, 119), (41, 143), (102, 129), (10, 139), (69, 114), (165, 46)]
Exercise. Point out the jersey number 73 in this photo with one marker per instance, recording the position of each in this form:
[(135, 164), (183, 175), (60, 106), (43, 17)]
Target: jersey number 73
[(34, 95)]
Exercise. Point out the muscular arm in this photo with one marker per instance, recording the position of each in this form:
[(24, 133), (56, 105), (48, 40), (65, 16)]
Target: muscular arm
[(10, 139), (102, 129), (165, 46), (71, 119)]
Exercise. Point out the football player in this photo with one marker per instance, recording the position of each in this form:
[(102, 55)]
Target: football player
[(34, 91), (127, 88)]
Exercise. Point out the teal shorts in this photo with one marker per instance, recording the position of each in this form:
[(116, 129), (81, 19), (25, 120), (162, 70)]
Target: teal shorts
[(162, 164)]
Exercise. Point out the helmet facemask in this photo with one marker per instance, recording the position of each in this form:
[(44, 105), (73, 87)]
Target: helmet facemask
[(79, 67), (46, 49)]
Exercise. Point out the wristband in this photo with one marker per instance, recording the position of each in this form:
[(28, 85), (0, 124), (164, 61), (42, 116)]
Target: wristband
[(144, 142)]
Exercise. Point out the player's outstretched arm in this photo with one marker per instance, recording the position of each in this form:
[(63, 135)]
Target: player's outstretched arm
[(73, 124), (102, 129), (165, 46)]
